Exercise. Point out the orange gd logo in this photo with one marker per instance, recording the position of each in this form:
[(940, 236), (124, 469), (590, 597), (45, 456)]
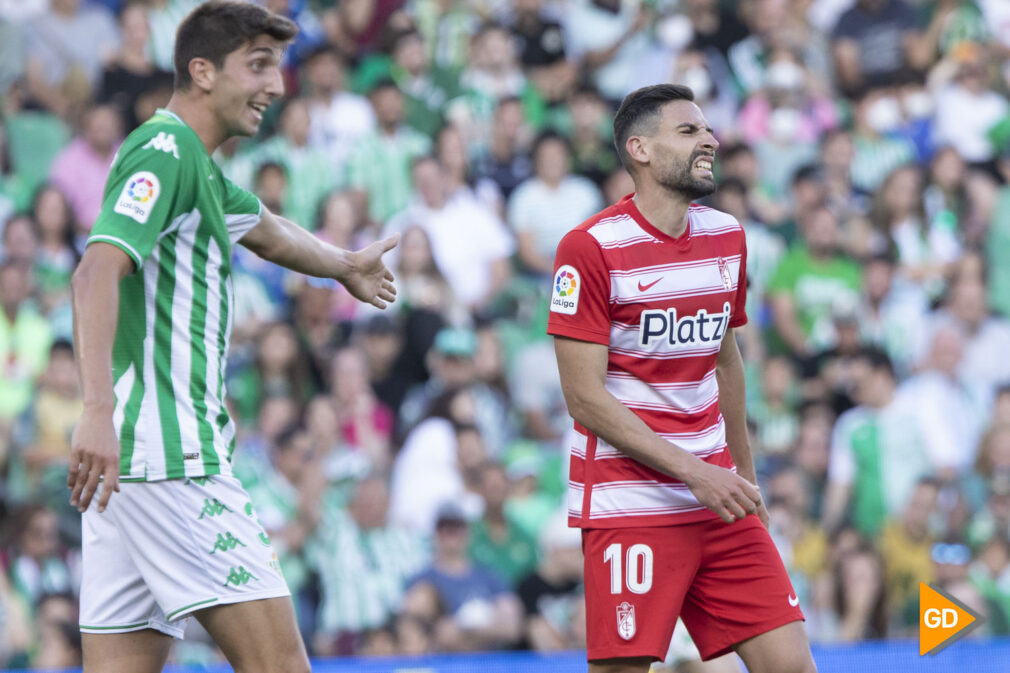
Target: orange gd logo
[(943, 619)]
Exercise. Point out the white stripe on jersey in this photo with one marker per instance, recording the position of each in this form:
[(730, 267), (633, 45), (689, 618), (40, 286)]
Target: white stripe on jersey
[(182, 356), (150, 443), (575, 494), (211, 330), (686, 397), (708, 442), (229, 430), (619, 231), (672, 281), (640, 498), (239, 225)]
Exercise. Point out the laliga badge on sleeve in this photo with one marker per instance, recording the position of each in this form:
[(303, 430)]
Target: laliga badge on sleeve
[(140, 193), (565, 291)]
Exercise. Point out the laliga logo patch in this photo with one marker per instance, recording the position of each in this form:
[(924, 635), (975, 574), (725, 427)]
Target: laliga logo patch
[(727, 279), (565, 293), (626, 625), (140, 193)]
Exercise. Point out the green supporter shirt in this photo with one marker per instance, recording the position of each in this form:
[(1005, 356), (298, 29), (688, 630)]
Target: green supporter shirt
[(513, 557), (815, 287), (168, 206)]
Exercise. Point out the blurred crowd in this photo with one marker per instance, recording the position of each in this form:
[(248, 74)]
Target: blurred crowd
[(410, 465)]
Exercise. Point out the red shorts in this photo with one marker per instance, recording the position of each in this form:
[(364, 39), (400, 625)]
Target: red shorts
[(726, 581)]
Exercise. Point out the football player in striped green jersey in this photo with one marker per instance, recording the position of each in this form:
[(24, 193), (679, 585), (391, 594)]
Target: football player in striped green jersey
[(153, 307)]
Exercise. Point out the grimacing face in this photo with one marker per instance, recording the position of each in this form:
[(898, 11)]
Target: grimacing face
[(247, 83), (682, 152)]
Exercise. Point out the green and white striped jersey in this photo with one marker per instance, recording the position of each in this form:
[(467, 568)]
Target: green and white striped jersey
[(168, 206)]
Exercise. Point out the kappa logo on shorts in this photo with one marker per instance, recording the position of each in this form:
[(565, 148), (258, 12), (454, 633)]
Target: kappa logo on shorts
[(239, 576), (226, 542), (212, 508), (626, 625)]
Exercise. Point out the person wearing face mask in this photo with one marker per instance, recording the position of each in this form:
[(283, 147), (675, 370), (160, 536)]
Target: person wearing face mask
[(878, 146), (701, 68)]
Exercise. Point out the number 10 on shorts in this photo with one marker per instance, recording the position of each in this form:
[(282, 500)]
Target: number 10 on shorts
[(638, 565)]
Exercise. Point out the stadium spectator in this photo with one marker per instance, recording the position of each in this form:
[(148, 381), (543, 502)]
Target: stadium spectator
[(365, 423), (877, 453), (131, 82), (25, 337), (875, 43), (469, 606), (364, 563), (470, 245), (63, 69), (552, 593), (427, 89), (948, 414), (905, 544), (505, 162), (379, 162), (496, 542), (337, 117), (541, 47), (809, 280), (543, 208), (80, 170)]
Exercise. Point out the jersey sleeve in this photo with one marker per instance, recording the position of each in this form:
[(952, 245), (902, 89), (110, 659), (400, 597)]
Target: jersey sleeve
[(739, 318), (242, 210), (145, 189), (580, 290)]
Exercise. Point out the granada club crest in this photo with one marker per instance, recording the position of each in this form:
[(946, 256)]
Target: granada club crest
[(626, 625), (727, 278)]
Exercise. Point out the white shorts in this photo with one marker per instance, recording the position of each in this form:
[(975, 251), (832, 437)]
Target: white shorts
[(165, 549)]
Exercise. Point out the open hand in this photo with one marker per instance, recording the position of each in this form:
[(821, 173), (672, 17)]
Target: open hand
[(724, 492), (368, 279), (94, 455)]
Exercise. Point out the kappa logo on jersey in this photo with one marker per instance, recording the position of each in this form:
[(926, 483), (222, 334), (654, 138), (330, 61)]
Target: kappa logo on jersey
[(701, 328), (626, 625), (139, 195), (164, 142), (565, 294), (727, 278)]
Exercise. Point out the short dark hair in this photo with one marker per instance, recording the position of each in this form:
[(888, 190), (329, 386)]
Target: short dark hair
[(639, 113), (217, 28), (877, 358), (549, 136)]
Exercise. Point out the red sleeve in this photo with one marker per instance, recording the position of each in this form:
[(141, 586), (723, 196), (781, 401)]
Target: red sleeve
[(739, 317), (580, 290)]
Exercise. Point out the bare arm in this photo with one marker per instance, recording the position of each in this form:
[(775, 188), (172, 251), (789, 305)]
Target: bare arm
[(94, 447), (362, 272), (846, 52), (529, 256), (583, 368), (733, 407)]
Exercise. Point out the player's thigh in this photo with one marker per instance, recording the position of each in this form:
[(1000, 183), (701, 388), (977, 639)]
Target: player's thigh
[(740, 591), (257, 636), (627, 665), (134, 652), (728, 663), (781, 650), (635, 582)]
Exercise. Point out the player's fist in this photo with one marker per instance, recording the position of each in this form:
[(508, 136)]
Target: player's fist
[(94, 456), (726, 493)]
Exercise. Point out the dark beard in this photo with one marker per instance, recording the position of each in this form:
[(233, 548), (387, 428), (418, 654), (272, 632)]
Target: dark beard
[(681, 180)]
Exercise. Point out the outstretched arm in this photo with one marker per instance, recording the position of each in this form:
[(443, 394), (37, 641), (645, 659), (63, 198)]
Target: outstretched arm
[(362, 272), (94, 447)]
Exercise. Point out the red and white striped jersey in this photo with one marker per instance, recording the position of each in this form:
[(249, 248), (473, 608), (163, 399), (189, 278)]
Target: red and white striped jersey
[(662, 305)]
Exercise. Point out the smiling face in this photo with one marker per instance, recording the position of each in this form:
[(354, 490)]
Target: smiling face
[(681, 154), (246, 85)]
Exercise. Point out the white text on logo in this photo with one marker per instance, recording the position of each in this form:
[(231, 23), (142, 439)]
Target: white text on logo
[(704, 327)]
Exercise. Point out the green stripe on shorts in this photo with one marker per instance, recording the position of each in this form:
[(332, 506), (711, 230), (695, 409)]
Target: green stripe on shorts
[(111, 628), (173, 613)]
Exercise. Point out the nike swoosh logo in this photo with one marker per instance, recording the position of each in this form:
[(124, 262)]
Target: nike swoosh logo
[(793, 600), (643, 288)]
